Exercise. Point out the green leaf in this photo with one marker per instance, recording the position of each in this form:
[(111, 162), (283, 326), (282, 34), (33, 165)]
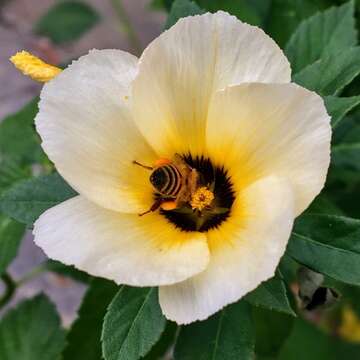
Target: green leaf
[(157, 4), (349, 294), (180, 9), (320, 35), (261, 8), (133, 324), (11, 234), (286, 15), (339, 231), (347, 155), (161, 4), (166, 341), (66, 270), (84, 336), (32, 332), (18, 138), (328, 244), (67, 21), (10, 173), (343, 183), (323, 205), (348, 131), (288, 267), (338, 107), (250, 11), (28, 199), (227, 335), (308, 342), (271, 295), (332, 73), (272, 329)]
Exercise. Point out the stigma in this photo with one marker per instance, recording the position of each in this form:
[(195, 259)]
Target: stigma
[(202, 198)]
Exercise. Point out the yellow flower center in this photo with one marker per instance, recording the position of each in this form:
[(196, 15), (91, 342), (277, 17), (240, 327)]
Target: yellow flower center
[(202, 198), (190, 192), (34, 67)]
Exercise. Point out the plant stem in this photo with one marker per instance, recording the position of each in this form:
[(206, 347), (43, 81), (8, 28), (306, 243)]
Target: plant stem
[(126, 25), (10, 288), (11, 285), (30, 275)]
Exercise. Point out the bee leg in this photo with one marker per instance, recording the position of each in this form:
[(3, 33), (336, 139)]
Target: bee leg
[(153, 208), (143, 166), (168, 205)]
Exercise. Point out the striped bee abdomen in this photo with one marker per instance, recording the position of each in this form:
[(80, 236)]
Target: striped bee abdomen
[(166, 180)]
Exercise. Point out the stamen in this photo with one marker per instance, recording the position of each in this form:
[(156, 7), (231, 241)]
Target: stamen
[(211, 203), (201, 199), (34, 67)]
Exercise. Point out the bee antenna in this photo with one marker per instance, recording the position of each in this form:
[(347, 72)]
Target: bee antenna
[(143, 166)]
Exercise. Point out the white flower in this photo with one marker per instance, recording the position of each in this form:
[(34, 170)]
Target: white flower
[(217, 92)]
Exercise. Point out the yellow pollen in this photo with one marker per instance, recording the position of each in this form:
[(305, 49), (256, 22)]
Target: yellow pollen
[(34, 67), (201, 198), (350, 326)]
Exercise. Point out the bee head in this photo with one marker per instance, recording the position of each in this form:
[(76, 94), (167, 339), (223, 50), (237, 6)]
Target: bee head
[(159, 179)]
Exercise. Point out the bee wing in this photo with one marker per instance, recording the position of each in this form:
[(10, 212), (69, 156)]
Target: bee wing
[(178, 158), (193, 181), (190, 177), (181, 164)]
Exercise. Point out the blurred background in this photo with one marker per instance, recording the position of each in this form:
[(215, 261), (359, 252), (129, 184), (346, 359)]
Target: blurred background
[(101, 29), (34, 25)]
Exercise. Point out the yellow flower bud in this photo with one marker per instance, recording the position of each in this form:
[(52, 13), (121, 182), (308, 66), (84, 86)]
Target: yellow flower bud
[(34, 67)]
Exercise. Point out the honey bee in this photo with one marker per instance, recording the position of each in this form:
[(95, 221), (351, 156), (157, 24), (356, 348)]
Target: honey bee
[(174, 181)]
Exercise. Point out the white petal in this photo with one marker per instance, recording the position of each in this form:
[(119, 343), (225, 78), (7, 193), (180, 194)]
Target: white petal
[(180, 70), (87, 131), (126, 248), (244, 252), (261, 129)]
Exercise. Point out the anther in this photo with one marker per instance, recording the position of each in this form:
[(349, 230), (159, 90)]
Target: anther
[(201, 199)]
